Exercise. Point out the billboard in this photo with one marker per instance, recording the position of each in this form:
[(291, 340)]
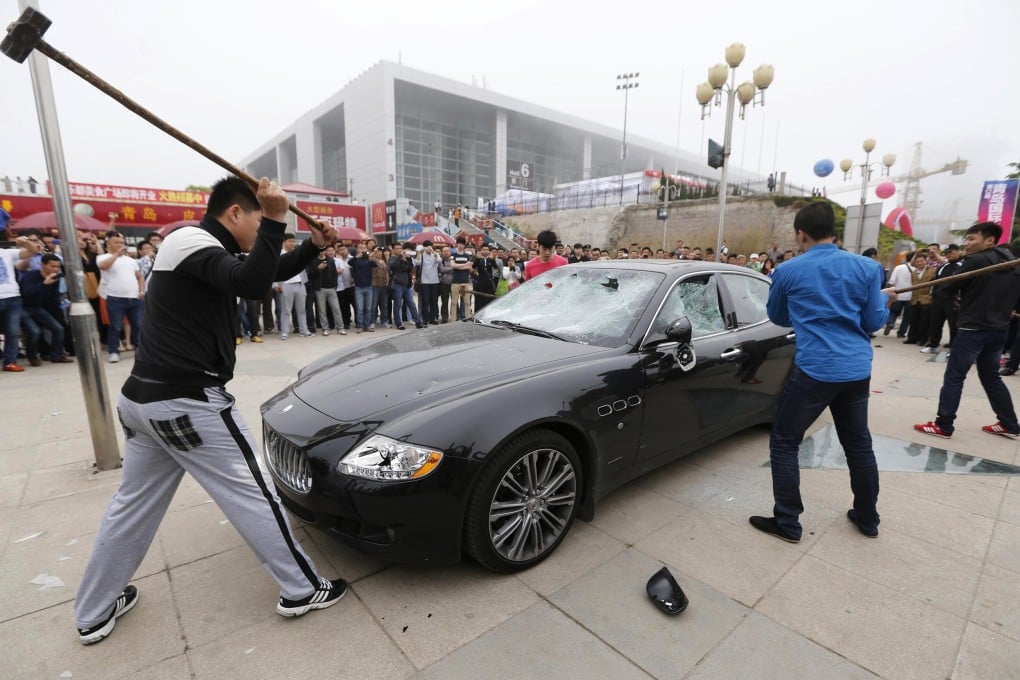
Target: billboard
[(518, 175), (337, 214), (384, 216), (998, 204)]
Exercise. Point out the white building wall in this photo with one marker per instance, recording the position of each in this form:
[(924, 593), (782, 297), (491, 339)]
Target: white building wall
[(369, 135), (499, 158)]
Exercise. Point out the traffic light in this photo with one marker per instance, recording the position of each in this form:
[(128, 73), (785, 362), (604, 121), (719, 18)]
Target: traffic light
[(715, 154)]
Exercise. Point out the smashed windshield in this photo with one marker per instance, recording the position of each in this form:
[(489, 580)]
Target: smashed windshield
[(588, 306)]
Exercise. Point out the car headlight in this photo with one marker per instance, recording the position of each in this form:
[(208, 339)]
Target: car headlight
[(385, 459)]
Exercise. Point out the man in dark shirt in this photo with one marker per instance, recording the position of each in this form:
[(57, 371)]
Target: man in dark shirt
[(177, 415), (487, 271), (401, 267), (460, 288), (943, 309), (40, 296), (986, 305)]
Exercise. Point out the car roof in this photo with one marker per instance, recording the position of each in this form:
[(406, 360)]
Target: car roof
[(667, 266)]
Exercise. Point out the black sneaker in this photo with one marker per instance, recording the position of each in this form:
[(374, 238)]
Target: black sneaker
[(867, 531), (769, 526), (125, 602), (326, 595)]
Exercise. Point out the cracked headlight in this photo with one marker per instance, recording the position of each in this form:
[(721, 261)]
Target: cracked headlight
[(385, 459)]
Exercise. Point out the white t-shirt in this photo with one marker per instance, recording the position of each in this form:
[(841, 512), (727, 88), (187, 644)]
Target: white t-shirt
[(121, 278), (9, 258)]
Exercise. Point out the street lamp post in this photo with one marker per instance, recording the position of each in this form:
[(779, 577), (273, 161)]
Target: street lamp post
[(625, 82), (747, 93), (847, 165)]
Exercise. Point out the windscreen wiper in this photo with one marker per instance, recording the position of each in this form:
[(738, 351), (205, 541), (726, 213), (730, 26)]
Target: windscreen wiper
[(527, 329)]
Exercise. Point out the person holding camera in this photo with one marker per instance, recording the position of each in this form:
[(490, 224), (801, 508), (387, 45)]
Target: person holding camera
[(40, 291), (427, 261), (401, 265)]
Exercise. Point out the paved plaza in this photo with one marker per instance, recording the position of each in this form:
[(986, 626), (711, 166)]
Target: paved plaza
[(936, 596)]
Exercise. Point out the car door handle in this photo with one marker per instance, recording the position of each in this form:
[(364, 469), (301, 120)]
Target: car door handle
[(791, 336), (731, 354)]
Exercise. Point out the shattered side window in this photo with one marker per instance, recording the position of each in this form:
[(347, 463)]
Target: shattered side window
[(588, 306), (750, 297), (696, 298)]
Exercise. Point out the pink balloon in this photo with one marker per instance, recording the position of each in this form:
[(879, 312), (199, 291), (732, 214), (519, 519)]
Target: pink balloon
[(885, 189)]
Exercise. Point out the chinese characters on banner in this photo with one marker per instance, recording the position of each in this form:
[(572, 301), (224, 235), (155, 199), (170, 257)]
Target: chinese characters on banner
[(998, 204), (337, 214), (108, 192)]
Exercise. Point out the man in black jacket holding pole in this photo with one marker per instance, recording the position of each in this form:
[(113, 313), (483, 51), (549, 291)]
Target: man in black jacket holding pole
[(178, 416), (986, 303)]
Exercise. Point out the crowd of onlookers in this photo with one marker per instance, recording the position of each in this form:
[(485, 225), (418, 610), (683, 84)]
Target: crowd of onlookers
[(34, 295), (365, 286)]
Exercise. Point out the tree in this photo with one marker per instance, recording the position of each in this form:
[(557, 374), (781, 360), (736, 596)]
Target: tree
[(195, 187)]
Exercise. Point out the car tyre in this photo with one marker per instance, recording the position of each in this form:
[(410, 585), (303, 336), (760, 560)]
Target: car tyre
[(524, 502)]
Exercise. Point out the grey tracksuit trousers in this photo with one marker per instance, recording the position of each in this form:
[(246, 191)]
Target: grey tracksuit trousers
[(209, 440)]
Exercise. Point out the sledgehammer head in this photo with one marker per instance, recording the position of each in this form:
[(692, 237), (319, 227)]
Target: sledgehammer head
[(24, 35)]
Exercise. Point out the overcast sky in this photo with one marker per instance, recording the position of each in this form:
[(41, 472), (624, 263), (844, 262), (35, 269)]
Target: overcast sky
[(233, 74)]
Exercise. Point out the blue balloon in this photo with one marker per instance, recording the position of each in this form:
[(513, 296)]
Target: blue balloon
[(823, 168)]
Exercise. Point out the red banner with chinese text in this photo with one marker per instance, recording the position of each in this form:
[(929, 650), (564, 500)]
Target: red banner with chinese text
[(338, 214)]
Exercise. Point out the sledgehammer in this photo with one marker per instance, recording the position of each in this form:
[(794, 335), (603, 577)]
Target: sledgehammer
[(26, 34)]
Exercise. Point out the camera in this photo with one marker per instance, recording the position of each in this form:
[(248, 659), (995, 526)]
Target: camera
[(60, 275)]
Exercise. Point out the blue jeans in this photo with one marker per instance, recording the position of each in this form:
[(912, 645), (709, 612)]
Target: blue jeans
[(404, 295), (802, 401), (983, 348), (10, 308), (363, 306), (118, 308), (35, 319)]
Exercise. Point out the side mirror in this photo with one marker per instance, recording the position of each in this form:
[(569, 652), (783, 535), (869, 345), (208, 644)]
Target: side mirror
[(680, 331)]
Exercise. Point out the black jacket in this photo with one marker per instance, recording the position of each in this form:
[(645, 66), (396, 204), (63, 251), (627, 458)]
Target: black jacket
[(400, 271), (322, 279), (191, 304), (987, 300)]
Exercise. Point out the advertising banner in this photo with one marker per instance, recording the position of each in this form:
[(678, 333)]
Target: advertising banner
[(109, 192), (384, 216), (518, 175), (153, 215), (998, 204), (337, 214), (406, 231)]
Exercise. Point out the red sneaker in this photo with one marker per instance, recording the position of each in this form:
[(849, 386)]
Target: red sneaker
[(13, 368), (998, 429), (931, 428)]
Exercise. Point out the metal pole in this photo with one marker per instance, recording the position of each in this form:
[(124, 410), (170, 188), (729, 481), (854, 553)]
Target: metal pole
[(81, 317), (726, 163), (865, 175), (623, 149)]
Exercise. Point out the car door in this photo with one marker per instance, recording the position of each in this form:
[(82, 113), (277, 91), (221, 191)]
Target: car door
[(765, 351), (686, 407)]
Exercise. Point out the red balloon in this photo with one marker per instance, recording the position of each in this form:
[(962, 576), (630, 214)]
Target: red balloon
[(885, 189)]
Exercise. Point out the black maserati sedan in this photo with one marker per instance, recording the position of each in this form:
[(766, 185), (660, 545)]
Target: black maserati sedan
[(490, 436)]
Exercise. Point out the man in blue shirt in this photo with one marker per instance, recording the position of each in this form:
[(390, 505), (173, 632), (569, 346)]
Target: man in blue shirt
[(833, 300)]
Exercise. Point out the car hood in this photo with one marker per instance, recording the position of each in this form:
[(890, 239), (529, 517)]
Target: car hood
[(356, 384)]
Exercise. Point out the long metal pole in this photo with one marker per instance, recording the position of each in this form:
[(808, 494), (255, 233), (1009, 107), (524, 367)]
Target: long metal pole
[(623, 149), (865, 176), (726, 163), (676, 166), (81, 317)]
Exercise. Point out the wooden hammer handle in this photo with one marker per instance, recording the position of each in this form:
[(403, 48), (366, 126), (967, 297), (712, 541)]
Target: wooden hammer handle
[(960, 277)]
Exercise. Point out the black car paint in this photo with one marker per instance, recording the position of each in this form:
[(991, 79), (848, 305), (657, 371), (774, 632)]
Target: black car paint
[(467, 388)]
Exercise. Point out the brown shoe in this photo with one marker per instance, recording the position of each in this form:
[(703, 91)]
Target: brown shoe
[(13, 368), (62, 359), (35, 361)]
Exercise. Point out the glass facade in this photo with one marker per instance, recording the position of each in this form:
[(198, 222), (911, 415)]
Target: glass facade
[(555, 153), (334, 150), (444, 147)]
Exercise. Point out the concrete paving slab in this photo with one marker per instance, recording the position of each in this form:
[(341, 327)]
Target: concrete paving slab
[(985, 655), (19, 596), (610, 601), (196, 532), (345, 562), (343, 641), (905, 564), (584, 548), (633, 512), (244, 592), (65, 480), (997, 603), (1005, 548), (977, 494), (959, 530), (877, 628), (142, 638), (556, 648), (761, 649), (429, 612), (174, 668), (12, 489), (736, 560), (60, 519), (1009, 511)]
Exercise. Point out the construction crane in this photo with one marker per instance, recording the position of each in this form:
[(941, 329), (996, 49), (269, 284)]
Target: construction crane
[(910, 197)]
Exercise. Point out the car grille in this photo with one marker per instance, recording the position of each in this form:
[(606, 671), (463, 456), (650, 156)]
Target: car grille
[(289, 464)]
